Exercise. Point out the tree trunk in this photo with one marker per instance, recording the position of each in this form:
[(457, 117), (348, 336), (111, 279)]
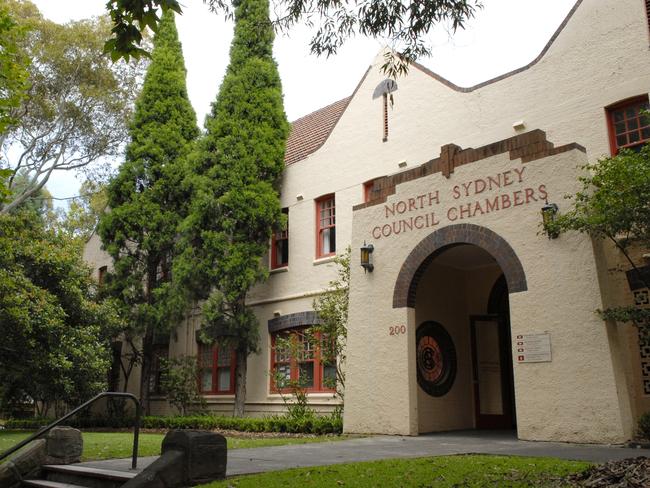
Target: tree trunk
[(147, 357), (241, 364)]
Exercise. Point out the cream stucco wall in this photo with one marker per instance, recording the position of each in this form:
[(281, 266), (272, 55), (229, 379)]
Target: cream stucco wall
[(600, 57), (572, 398)]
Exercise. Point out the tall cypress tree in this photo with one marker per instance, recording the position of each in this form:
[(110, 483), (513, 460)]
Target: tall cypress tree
[(236, 206), (147, 200)]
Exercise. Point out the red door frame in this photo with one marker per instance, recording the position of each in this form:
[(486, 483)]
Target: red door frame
[(505, 420)]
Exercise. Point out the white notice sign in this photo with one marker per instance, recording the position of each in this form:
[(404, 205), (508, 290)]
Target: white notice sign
[(533, 348)]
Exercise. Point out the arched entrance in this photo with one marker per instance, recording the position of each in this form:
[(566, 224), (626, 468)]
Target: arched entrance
[(460, 281)]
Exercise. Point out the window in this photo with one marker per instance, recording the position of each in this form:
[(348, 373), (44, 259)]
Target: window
[(628, 128), (160, 354), (297, 356), (325, 226), (216, 369), (101, 275), (280, 246)]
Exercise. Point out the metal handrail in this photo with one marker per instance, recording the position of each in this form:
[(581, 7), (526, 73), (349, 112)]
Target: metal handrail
[(47, 428)]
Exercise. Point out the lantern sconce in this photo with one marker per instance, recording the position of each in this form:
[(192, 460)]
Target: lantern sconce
[(549, 211), (366, 251)]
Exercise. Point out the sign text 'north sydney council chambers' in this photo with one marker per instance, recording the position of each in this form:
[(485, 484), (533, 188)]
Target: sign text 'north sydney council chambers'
[(423, 211)]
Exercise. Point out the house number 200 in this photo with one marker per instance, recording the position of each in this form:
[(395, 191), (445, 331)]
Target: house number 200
[(397, 330)]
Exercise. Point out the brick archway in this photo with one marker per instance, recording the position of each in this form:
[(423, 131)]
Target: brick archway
[(431, 246)]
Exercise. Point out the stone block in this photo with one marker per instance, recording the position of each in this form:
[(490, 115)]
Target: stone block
[(23, 465), (64, 445), (188, 458), (206, 453)]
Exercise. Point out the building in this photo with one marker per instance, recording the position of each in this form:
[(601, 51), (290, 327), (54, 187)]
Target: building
[(471, 318)]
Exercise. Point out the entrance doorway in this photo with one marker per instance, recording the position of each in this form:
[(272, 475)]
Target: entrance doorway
[(463, 292)]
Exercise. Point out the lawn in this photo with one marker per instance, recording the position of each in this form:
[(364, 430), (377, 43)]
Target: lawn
[(447, 471), (110, 445)]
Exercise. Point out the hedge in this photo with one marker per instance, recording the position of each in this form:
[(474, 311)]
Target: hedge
[(306, 425)]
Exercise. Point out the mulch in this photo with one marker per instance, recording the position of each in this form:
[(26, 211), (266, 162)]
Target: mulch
[(627, 473)]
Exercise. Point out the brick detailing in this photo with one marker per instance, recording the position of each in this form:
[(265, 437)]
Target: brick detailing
[(293, 320), (647, 11), (431, 246), (529, 146)]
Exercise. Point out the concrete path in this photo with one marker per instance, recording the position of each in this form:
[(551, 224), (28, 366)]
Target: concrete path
[(262, 459)]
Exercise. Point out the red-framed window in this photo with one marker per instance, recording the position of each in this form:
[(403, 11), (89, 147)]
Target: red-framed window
[(159, 356), (216, 370), (301, 362), (280, 246), (628, 127), (325, 226), (101, 275)]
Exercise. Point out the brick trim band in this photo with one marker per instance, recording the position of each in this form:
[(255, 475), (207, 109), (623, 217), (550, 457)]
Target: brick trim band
[(528, 147), (431, 246), (293, 320)]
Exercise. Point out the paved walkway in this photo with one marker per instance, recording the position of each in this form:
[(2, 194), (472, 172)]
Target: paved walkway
[(262, 459)]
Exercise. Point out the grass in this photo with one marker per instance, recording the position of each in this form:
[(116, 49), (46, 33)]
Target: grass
[(447, 471), (113, 445)]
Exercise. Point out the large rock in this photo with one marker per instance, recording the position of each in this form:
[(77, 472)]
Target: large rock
[(64, 445)]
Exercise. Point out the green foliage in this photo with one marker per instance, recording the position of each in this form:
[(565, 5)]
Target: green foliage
[(312, 425), (179, 382), (643, 426), (5, 193), (147, 198), (13, 70), (83, 214), (53, 347), (235, 205), (402, 25), (332, 309), (78, 105), (613, 204)]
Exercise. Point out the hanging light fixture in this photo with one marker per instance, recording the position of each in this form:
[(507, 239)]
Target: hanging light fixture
[(549, 211), (366, 251)]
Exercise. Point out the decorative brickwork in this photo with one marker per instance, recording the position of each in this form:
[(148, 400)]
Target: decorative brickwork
[(529, 147), (293, 320), (431, 246)]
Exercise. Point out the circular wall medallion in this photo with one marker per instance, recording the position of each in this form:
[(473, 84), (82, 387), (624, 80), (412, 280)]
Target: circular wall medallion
[(436, 359)]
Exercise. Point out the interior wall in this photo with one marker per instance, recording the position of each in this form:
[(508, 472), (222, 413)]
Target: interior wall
[(449, 296)]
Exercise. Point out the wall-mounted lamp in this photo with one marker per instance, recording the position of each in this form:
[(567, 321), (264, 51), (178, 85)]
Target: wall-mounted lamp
[(366, 251), (549, 211)]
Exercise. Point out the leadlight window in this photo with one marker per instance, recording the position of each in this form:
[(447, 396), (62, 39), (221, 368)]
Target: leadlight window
[(299, 357)]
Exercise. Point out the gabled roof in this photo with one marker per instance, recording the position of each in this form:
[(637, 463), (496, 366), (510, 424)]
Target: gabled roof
[(310, 132)]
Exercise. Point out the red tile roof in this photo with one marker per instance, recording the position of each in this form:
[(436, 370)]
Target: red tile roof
[(310, 132)]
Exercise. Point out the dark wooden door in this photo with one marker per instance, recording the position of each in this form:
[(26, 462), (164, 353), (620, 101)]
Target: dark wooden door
[(492, 372)]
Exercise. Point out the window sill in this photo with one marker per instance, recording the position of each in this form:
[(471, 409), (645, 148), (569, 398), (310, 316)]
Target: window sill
[(314, 394), (283, 269), (326, 259)]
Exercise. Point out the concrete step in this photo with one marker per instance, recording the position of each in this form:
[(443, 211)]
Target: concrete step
[(48, 484), (85, 476)]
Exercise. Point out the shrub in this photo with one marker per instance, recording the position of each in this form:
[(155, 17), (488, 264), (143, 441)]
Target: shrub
[(643, 426), (331, 424)]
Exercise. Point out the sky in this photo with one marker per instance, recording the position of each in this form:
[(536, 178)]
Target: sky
[(504, 35)]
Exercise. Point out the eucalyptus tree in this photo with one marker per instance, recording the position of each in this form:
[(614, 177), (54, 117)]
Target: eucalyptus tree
[(76, 108), (404, 25)]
